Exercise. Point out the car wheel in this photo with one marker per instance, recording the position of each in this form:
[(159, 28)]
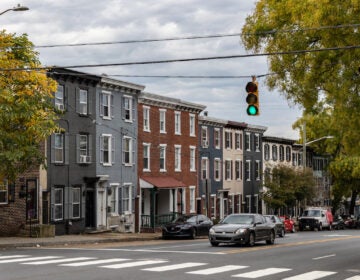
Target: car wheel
[(271, 240), (193, 233), (251, 241), (282, 233), (214, 244), (320, 227), (293, 229)]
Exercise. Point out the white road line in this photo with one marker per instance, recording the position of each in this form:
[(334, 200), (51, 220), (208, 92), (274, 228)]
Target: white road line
[(58, 261), (13, 256), (133, 264), (173, 267), (94, 262), (311, 275), (324, 257), (357, 277), (28, 259), (262, 272), (215, 270)]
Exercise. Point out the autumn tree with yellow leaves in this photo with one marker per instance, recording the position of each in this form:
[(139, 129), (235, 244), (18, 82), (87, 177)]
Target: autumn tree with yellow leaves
[(27, 115)]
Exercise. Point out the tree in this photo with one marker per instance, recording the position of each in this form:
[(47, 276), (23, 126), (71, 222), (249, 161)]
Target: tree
[(314, 63), (27, 115)]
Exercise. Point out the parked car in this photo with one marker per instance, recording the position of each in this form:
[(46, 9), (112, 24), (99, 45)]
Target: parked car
[(338, 223), (279, 224), (352, 222), (242, 229), (315, 218), (288, 223), (187, 226)]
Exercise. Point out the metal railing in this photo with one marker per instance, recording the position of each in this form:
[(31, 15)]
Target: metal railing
[(152, 221)]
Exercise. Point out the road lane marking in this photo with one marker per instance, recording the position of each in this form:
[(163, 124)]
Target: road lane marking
[(312, 275), (262, 272), (324, 257), (357, 277), (215, 270), (58, 261), (13, 256), (173, 267), (95, 262), (133, 264), (28, 259)]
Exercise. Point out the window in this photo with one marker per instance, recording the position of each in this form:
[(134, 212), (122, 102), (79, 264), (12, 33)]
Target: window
[(247, 170), (192, 199), (59, 147), (146, 157), (127, 151), (59, 98), (83, 148), (106, 104), (217, 138), (162, 121), (294, 159), (128, 108), (282, 153), (288, 154), (177, 122), (192, 124), (4, 188), (228, 170), (177, 158), (266, 152), (204, 137), (274, 153), (107, 152), (238, 142), (76, 202), (126, 198), (162, 157), (257, 142), (257, 170), (113, 198), (192, 158), (217, 169), (238, 169), (58, 204), (146, 118), (247, 142), (83, 102), (228, 140), (204, 168)]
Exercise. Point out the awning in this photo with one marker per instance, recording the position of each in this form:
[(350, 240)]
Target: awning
[(161, 182)]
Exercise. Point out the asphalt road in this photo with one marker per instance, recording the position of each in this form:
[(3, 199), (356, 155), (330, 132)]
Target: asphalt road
[(304, 255)]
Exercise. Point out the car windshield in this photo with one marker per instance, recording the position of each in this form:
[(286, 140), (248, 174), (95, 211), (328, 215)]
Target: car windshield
[(239, 219), (311, 213)]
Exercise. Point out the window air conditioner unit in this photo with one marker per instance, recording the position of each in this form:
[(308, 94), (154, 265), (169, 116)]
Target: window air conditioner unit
[(206, 143), (85, 159), (59, 107)]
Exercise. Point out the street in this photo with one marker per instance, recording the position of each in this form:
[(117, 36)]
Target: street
[(304, 255)]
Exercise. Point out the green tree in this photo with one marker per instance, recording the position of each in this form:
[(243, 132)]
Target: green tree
[(27, 116), (315, 63)]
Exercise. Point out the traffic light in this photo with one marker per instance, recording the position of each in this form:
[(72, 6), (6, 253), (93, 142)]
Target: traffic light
[(252, 98)]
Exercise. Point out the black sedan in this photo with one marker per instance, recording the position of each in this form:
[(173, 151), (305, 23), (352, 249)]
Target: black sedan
[(187, 226), (242, 229), (279, 224)]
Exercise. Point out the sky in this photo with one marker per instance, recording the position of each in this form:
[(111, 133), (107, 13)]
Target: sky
[(49, 23)]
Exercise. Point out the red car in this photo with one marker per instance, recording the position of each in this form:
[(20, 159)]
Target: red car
[(289, 224)]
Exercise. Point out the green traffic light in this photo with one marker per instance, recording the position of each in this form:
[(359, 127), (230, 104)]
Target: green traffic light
[(252, 110)]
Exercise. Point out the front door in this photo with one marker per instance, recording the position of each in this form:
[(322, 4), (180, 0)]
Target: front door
[(90, 209), (31, 199)]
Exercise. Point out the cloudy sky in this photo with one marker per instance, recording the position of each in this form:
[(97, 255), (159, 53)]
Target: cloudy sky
[(65, 22)]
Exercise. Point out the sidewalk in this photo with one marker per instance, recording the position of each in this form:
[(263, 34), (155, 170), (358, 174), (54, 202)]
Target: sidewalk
[(107, 237)]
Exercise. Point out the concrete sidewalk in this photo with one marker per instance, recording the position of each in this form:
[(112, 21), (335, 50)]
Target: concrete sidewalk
[(93, 238)]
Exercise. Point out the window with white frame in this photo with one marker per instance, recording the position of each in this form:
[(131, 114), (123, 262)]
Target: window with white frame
[(266, 152), (204, 168), (75, 204), (162, 118), (128, 108), (113, 198), (83, 147), (257, 142), (83, 102), (238, 169), (192, 199), (274, 152), (107, 149), (4, 190), (162, 157), (248, 170), (192, 124), (59, 98), (238, 144), (217, 141), (281, 153), (192, 158), (257, 170), (204, 137), (228, 170), (228, 140), (247, 141), (146, 118), (288, 153), (59, 147), (58, 204), (177, 157), (106, 101), (126, 198), (178, 123), (146, 156), (127, 151), (217, 169)]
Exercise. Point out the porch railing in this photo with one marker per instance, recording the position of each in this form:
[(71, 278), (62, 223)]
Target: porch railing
[(153, 221)]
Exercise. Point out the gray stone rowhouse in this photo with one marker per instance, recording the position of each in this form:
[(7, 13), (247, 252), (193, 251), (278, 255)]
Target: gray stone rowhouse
[(210, 164), (253, 167), (91, 165)]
